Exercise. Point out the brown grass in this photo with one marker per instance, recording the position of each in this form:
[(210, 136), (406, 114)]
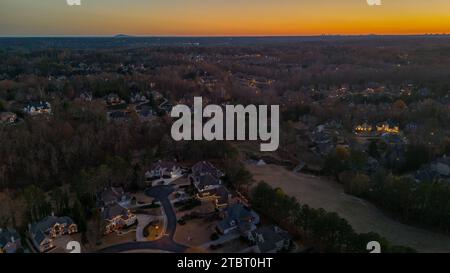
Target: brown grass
[(363, 216)]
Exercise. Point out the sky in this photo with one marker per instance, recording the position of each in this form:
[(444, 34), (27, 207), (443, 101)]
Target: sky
[(222, 18)]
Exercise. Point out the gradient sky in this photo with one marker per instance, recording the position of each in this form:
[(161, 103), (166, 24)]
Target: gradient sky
[(225, 17)]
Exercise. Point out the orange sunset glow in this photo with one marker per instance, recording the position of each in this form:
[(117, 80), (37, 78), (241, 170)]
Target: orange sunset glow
[(228, 18)]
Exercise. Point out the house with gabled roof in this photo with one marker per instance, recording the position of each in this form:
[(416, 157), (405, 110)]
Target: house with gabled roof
[(238, 217), (112, 195), (163, 169), (220, 196), (43, 232), (117, 217), (205, 167), (269, 239), (9, 240), (204, 176), (36, 108)]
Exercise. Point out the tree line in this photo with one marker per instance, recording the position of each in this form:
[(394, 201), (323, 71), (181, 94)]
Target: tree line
[(326, 230)]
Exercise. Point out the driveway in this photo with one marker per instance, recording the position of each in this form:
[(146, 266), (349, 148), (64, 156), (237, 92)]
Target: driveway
[(166, 243)]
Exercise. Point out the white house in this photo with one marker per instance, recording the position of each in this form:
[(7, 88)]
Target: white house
[(163, 169), (36, 108)]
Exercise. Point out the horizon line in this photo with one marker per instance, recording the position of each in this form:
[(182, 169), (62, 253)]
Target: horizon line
[(219, 36)]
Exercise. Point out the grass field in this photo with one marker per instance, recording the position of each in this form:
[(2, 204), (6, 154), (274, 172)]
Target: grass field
[(363, 216)]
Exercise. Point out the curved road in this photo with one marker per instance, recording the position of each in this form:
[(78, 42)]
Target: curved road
[(166, 243)]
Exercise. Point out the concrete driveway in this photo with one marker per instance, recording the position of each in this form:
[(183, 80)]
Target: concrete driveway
[(166, 243)]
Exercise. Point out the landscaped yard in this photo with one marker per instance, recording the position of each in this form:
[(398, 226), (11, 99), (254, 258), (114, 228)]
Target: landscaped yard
[(129, 235), (233, 246), (195, 232), (154, 230)]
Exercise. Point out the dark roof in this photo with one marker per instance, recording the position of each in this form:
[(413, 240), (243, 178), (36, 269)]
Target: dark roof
[(221, 192), (39, 104), (49, 221), (113, 211), (240, 215), (118, 114), (6, 235), (267, 237), (41, 228), (112, 194), (204, 167), (208, 180)]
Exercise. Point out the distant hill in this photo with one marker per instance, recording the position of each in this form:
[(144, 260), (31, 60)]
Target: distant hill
[(122, 36)]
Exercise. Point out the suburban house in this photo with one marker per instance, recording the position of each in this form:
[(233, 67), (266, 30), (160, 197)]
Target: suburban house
[(138, 98), (363, 128), (388, 127), (113, 99), (269, 239), (238, 217), (8, 117), (117, 217), (206, 182), (118, 116), (36, 108), (163, 169), (204, 176), (112, 195), (435, 171), (220, 196), (43, 232), (9, 241), (203, 168)]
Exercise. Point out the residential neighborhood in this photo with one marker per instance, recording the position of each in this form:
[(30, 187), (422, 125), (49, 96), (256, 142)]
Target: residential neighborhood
[(87, 152)]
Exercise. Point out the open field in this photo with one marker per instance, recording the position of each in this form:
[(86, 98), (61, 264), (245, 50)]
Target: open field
[(363, 216)]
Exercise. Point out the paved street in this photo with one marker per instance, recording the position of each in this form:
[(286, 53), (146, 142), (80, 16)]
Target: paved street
[(166, 243)]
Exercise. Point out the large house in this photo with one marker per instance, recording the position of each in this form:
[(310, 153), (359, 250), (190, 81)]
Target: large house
[(163, 169), (238, 217), (138, 98), (117, 218), (364, 128), (206, 182), (9, 241), (203, 168), (43, 232), (114, 203), (388, 127), (269, 239), (220, 196), (36, 108), (112, 195), (205, 176)]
